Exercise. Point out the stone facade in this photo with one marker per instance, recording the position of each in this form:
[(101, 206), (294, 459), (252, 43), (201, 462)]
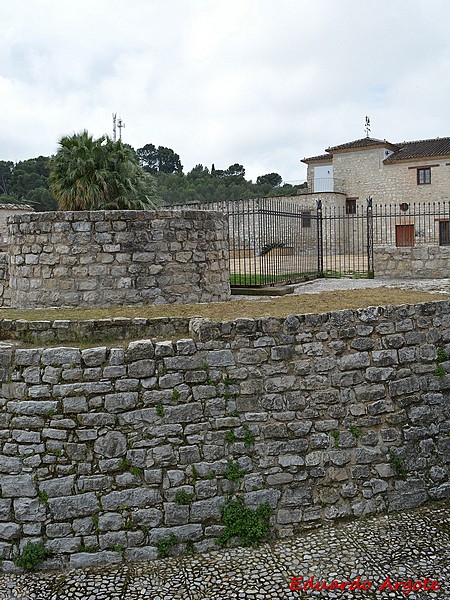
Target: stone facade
[(321, 416), (105, 258), (364, 171), (420, 262)]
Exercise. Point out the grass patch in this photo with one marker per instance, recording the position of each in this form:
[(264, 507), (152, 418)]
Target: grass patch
[(249, 279), (218, 311), (440, 371)]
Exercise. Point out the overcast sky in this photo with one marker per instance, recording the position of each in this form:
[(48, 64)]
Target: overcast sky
[(263, 83)]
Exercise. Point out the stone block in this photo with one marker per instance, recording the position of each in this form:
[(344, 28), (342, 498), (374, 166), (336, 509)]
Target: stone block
[(17, 486), (68, 507), (111, 445), (134, 498)]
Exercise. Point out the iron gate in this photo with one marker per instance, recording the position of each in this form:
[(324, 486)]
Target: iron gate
[(278, 241)]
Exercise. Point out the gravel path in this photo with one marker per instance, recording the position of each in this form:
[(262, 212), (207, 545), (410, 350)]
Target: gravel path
[(411, 545)]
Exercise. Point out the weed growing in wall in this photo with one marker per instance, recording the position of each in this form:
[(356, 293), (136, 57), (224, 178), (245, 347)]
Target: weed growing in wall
[(182, 497), (355, 431), (32, 555), (442, 355), (233, 472), (194, 474), (165, 545), (249, 437), (243, 525), (335, 435), (230, 436), (440, 371), (43, 497), (160, 409), (397, 463)]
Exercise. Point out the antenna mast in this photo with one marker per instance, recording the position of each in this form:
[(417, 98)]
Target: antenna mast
[(120, 124), (114, 127)]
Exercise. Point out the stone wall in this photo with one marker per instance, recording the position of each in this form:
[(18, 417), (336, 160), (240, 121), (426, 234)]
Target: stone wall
[(5, 295), (8, 210), (106, 258), (322, 416), (420, 262)]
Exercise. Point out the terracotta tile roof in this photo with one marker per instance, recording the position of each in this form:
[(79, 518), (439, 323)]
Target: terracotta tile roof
[(317, 158), (420, 149), (401, 151), (366, 142)]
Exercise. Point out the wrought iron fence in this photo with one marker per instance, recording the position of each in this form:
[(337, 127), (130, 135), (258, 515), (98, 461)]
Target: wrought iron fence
[(412, 224), (274, 240)]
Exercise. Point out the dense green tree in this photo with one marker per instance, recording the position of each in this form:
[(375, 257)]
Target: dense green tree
[(159, 160), (6, 169), (235, 170), (95, 174), (273, 179), (148, 158), (27, 182)]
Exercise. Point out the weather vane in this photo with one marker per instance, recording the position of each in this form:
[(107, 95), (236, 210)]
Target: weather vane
[(367, 126)]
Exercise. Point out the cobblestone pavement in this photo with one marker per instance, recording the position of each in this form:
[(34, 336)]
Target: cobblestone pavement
[(410, 545), (324, 285)]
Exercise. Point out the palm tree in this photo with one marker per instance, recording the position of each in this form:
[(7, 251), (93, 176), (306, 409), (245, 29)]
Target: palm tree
[(89, 174)]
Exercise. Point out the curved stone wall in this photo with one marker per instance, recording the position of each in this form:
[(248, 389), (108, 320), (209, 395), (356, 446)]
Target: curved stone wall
[(105, 258)]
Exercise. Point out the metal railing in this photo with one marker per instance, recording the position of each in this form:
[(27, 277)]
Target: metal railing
[(328, 184), (412, 224), (274, 241)]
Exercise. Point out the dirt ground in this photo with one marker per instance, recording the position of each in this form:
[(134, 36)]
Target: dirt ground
[(300, 303)]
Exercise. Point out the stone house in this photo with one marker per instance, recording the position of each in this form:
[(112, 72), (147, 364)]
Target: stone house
[(409, 182), (389, 173)]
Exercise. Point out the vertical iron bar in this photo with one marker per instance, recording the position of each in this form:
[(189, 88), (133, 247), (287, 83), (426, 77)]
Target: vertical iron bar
[(319, 239), (369, 222)]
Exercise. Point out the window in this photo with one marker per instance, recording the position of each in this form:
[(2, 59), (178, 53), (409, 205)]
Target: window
[(444, 233), (423, 176), (350, 206), (306, 218)]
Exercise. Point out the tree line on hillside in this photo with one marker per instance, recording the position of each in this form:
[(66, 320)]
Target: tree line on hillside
[(114, 175)]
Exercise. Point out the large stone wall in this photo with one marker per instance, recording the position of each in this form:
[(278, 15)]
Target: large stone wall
[(328, 416), (415, 262), (106, 258)]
